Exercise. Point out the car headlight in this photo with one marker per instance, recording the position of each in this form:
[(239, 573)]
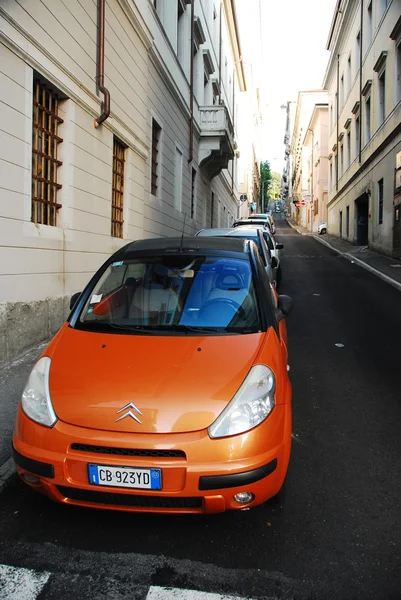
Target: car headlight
[(253, 402), (36, 401)]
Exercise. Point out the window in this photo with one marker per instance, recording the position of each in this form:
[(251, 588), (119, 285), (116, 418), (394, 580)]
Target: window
[(341, 224), (367, 120), (212, 210), (341, 159), (358, 50), (193, 182), (117, 202), (331, 175), (180, 27), (156, 130), (347, 222), (382, 97), (357, 136), (342, 92), (45, 141), (349, 73), (369, 24), (380, 198), (178, 179), (348, 149), (398, 74)]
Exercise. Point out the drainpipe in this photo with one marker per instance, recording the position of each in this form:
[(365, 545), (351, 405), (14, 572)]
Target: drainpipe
[(220, 50), (100, 64), (360, 88), (191, 85), (233, 161), (338, 116)]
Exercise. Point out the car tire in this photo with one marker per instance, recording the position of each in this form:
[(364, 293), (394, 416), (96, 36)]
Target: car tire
[(323, 230)]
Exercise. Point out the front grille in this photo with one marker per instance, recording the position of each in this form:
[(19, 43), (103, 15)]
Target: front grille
[(111, 498), (129, 451)]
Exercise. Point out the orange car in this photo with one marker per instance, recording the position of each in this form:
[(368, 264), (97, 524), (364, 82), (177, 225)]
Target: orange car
[(167, 389)]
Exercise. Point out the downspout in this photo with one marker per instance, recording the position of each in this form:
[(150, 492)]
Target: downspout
[(360, 88), (233, 161), (191, 85), (338, 116), (100, 64), (220, 50)]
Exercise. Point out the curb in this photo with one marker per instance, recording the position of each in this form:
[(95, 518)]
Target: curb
[(361, 263), (6, 470)]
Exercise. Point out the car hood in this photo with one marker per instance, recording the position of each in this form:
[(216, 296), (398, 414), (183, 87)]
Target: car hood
[(147, 384)]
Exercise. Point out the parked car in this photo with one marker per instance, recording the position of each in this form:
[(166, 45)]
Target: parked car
[(322, 228), (250, 233), (265, 217), (252, 221), (167, 389)]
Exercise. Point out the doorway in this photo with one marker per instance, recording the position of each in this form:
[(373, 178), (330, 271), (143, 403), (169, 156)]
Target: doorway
[(362, 219)]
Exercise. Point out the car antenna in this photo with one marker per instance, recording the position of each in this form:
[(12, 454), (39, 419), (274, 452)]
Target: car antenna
[(182, 234)]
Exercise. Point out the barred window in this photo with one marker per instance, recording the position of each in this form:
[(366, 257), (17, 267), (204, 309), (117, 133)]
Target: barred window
[(156, 129), (45, 164), (117, 203)]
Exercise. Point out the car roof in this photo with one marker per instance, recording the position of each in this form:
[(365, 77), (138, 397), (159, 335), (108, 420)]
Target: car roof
[(191, 244), (212, 231)]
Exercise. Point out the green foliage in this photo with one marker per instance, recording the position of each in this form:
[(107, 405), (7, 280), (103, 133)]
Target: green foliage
[(275, 187), (265, 181)]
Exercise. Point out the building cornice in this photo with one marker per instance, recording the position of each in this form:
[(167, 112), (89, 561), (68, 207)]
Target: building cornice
[(396, 32), (381, 61), (366, 88)]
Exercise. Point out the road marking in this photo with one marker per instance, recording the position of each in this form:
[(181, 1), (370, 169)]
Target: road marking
[(164, 593), (21, 584)]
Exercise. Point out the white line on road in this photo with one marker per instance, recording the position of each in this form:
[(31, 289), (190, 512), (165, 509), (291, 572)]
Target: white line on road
[(21, 584), (163, 593)]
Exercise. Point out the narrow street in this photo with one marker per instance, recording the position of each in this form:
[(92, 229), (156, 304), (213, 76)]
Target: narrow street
[(336, 536)]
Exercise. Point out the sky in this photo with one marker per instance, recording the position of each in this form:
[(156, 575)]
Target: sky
[(292, 57)]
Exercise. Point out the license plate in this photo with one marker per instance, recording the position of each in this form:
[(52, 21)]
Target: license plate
[(128, 477)]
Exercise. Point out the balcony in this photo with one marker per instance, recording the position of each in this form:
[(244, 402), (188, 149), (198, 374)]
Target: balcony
[(216, 144)]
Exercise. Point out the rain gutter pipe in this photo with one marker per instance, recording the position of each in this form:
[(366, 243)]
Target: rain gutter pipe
[(100, 65), (191, 85)]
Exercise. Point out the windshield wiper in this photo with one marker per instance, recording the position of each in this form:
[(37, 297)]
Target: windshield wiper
[(107, 326), (189, 328)]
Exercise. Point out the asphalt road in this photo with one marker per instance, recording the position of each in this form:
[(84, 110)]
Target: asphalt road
[(337, 534)]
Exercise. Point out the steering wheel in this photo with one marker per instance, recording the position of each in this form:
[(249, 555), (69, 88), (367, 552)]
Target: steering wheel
[(236, 308)]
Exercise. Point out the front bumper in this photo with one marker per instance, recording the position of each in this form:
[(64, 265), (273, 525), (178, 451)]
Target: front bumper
[(200, 475)]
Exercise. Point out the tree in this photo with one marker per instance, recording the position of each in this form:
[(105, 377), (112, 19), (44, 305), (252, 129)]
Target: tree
[(275, 187), (265, 182)]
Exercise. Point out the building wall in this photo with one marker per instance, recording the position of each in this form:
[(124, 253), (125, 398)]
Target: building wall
[(377, 158), (300, 156), (41, 266)]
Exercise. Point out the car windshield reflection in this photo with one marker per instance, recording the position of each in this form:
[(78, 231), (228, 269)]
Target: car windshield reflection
[(175, 295)]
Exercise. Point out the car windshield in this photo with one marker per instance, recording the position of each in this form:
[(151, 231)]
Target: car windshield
[(174, 294)]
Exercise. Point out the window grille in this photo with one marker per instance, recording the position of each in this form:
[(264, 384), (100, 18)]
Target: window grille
[(45, 164), (156, 129), (117, 202)]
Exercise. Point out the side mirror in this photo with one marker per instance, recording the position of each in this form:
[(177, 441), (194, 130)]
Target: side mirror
[(279, 246), (74, 299), (285, 306), (274, 262)]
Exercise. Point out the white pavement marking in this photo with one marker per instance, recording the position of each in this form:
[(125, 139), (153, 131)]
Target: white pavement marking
[(21, 584), (164, 593)]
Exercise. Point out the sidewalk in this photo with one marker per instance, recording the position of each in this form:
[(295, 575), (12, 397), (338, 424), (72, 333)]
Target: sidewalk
[(12, 383), (388, 269)]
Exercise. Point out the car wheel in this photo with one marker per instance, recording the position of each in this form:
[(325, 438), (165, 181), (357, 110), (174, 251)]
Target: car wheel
[(323, 230)]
